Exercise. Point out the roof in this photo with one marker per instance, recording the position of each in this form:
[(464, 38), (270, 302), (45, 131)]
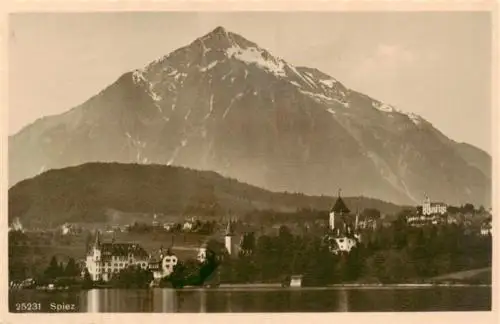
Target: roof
[(157, 255), (340, 207), (122, 249), (230, 229), (97, 238), (438, 204)]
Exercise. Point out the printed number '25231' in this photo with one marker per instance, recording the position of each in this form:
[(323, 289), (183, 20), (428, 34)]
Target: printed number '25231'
[(28, 307)]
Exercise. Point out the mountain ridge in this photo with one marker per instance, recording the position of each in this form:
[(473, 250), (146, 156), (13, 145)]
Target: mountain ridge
[(97, 192), (222, 103)]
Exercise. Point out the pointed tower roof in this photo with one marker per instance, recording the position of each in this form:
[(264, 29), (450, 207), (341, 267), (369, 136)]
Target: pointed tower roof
[(340, 206), (97, 241), (229, 228)]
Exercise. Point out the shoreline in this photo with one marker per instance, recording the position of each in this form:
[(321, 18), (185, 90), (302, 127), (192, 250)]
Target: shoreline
[(277, 286)]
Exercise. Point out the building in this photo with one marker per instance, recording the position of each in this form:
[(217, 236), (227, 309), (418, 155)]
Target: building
[(367, 223), (232, 243), (202, 253), (416, 220), (338, 211), (168, 226), (229, 239), (65, 229), (430, 213), (104, 260), (343, 234), (155, 222), (16, 225), (162, 263), (431, 208), (188, 226), (296, 281), (486, 227)]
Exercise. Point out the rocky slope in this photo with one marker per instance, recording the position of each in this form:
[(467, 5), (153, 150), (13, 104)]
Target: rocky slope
[(222, 103)]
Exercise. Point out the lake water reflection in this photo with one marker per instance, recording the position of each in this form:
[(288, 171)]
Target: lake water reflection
[(263, 300)]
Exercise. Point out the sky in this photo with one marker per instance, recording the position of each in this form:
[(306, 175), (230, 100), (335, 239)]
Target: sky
[(437, 65)]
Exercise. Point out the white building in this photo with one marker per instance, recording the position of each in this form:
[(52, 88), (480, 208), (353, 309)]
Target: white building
[(296, 281), (187, 226), (229, 239), (202, 254), (168, 226), (16, 225), (231, 244), (486, 228), (162, 265), (107, 259), (431, 208)]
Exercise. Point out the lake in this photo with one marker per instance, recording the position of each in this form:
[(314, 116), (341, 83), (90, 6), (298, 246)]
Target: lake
[(219, 300)]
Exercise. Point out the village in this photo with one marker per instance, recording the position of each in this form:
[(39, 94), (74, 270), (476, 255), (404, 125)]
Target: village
[(108, 252)]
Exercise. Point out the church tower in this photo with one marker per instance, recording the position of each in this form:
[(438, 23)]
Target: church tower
[(229, 238), (97, 246)]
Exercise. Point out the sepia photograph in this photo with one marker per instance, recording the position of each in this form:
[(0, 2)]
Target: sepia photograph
[(250, 161)]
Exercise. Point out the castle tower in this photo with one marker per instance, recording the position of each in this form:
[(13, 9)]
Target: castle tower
[(338, 209), (229, 238)]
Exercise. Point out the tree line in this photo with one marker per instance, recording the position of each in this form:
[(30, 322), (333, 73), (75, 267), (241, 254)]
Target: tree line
[(398, 253)]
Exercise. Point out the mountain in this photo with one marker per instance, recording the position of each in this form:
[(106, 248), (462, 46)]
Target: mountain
[(123, 193), (223, 103)]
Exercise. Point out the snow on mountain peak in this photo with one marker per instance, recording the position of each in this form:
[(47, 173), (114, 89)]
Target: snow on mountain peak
[(416, 119), (257, 56), (329, 82), (384, 107), (139, 79), (209, 66), (138, 76)]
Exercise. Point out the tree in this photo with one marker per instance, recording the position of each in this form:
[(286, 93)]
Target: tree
[(54, 270), (186, 273), (87, 280), (371, 213), (17, 269), (468, 208), (88, 240), (132, 277), (71, 269), (248, 243)]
